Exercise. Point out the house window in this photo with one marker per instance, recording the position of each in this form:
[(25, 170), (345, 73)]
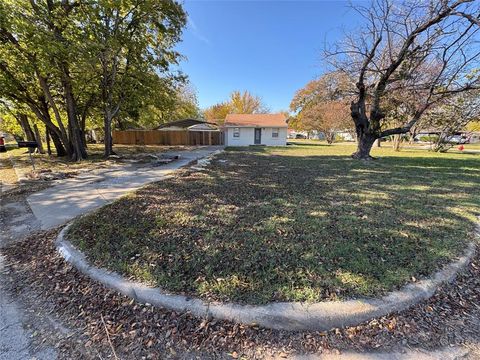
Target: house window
[(275, 132), (236, 132)]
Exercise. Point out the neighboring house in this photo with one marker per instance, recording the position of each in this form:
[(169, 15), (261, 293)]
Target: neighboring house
[(345, 135), (292, 134), (255, 129), (341, 135)]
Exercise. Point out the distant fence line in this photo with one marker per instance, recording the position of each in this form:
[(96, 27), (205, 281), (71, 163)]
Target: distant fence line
[(172, 137)]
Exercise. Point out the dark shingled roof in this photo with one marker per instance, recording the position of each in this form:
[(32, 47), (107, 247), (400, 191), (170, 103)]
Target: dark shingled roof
[(184, 123)]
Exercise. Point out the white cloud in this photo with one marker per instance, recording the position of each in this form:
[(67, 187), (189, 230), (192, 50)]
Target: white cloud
[(194, 29)]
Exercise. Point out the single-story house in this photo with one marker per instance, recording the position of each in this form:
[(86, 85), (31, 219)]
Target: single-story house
[(255, 129)]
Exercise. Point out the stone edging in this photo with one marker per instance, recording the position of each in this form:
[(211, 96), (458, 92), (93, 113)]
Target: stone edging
[(287, 315)]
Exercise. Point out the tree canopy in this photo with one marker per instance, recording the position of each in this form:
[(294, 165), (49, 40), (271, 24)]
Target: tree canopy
[(427, 50), (238, 103), (322, 105), (68, 61)]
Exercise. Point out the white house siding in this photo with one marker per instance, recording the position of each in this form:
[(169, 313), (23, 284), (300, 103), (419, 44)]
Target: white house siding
[(247, 137)]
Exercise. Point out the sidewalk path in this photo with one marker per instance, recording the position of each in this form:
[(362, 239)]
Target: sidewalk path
[(72, 197), (452, 353), (52, 207), (15, 341)]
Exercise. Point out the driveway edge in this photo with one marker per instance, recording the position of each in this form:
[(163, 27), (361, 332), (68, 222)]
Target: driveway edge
[(292, 316)]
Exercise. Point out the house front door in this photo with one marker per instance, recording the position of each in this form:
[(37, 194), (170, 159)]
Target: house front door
[(258, 136)]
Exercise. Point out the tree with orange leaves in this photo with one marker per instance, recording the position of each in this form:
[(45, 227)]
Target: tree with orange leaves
[(323, 106)]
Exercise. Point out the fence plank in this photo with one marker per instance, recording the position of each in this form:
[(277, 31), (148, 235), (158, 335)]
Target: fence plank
[(175, 137)]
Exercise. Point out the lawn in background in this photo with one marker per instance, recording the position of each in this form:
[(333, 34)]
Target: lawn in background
[(299, 223)]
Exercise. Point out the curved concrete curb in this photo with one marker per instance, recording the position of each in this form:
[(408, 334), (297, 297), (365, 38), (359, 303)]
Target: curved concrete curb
[(288, 315)]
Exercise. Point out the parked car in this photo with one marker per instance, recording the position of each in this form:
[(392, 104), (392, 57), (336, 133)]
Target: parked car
[(300, 136), (457, 139)]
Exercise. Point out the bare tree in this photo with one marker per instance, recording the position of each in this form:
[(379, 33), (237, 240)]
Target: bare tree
[(425, 48), (399, 107)]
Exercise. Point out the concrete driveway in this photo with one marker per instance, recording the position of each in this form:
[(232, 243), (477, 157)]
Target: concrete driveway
[(55, 206), (72, 197)]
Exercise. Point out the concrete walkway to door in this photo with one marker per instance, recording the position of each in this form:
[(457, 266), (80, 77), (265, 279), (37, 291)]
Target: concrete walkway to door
[(72, 197)]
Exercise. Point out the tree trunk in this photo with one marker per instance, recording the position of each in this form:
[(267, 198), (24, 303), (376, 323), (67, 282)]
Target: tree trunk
[(79, 151), (397, 140), (55, 133), (364, 146), (330, 136), (363, 128), (59, 148), (62, 144), (442, 145), (48, 96), (412, 135), (38, 138), (25, 125), (83, 120), (108, 141), (47, 135)]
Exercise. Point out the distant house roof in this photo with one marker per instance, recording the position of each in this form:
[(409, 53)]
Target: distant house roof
[(184, 124), (256, 120)]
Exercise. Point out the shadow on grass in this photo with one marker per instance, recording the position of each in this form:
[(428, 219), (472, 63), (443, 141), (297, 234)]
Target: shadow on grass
[(259, 227), (308, 143)]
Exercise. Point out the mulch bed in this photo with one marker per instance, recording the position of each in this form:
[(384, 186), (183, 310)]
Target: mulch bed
[(450, 317)]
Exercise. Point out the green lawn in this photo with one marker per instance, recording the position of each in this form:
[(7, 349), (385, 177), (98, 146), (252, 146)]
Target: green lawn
[(475, 146), (305, 223)]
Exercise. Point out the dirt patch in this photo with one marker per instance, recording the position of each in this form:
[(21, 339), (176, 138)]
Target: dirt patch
[(7, 173)]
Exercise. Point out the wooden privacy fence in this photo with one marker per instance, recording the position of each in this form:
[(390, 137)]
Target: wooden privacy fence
[(172, 137)]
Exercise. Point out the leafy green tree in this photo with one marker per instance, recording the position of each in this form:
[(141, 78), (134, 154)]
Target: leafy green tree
[(173, 102), (134, 41), (38, 49), (71, 61), (9, 123)]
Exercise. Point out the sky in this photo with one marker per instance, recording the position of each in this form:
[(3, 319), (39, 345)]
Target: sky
[(270, 48)]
